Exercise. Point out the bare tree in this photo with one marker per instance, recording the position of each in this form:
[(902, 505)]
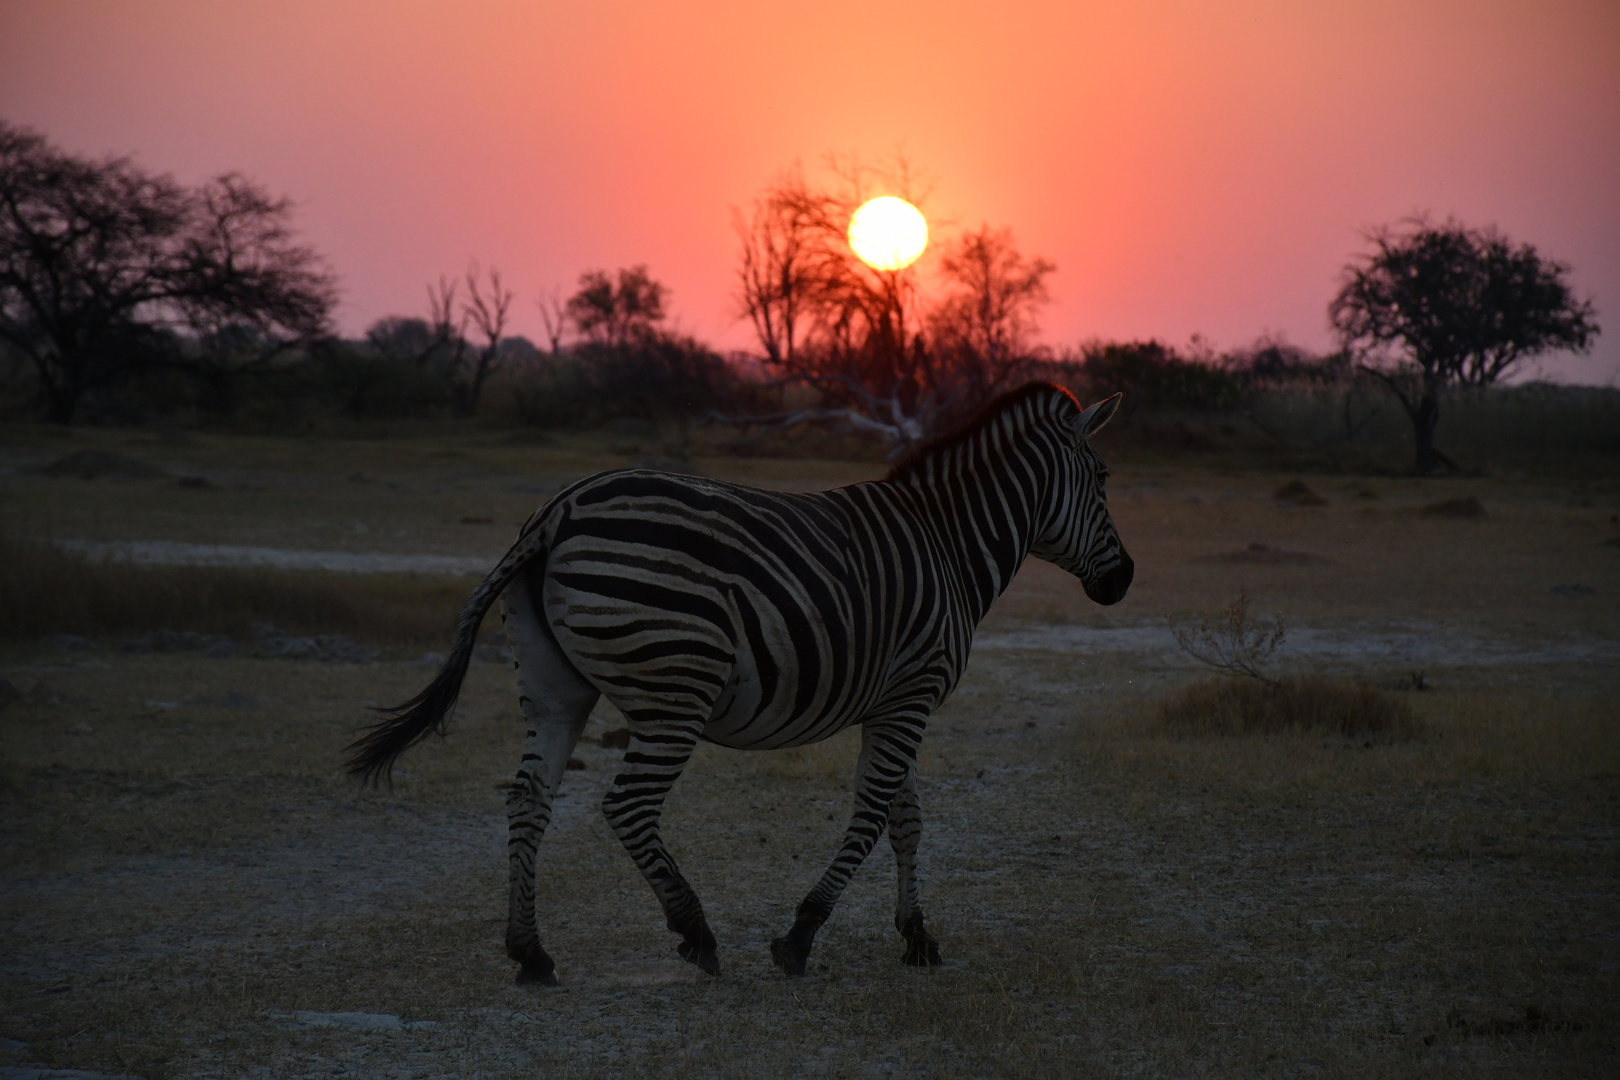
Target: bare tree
[(988, 319), (1465, 305), (100, 260), (554, 314), (787, 263), (861, 337), (488, 313)]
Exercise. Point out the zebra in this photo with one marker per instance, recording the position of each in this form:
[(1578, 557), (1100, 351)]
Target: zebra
[(757, 620)]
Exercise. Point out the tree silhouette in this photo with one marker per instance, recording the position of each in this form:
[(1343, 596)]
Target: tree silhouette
[(101, 261), (487, 311), (1465, 306), (863, 338), (986, 323), (617, 313)]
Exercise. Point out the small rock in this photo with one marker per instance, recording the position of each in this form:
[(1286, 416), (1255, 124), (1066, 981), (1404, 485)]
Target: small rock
[(213, 646), (222, 648), (1265, 555), (429, 660), (1298, 493), (1459, 509), (235, 699), (325, 648), (492, 654), (70, 643), (94, 464), (357, 1021)]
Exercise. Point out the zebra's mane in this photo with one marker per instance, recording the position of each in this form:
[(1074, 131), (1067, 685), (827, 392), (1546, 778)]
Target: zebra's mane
[(987, 415)]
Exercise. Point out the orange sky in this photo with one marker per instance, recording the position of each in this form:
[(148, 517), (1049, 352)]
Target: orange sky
[(1191, 168)]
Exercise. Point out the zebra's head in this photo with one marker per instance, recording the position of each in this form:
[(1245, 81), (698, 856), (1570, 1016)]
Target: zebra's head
[(1079, 534)]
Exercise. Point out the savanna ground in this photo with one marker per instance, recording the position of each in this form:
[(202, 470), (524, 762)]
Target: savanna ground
[(191, 888)]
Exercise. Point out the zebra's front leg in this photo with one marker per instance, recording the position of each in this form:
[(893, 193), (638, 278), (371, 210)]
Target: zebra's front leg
[(556, 701), (633, 806), (905, 831), (888, 752)]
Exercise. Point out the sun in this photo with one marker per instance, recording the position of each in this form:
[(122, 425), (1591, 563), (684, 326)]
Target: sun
[(888, 233)]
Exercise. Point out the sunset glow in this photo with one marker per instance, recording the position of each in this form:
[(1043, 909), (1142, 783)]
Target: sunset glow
[(1192, 168), (888, 233)]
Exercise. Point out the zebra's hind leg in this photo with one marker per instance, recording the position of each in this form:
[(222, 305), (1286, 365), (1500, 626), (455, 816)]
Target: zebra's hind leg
[(905, 831), (633, 805), (556, 701), (888, 751)]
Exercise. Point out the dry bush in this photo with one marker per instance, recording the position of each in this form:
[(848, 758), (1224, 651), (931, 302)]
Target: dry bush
[(1231, 643), (1307, 705), (45, 590)]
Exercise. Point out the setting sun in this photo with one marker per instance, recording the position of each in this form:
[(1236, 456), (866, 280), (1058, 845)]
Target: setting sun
[(888, 233)]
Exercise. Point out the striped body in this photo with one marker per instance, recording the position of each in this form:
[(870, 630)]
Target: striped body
[(782, 618), (759, 620)]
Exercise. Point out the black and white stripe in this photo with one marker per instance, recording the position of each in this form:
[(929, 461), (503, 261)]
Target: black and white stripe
[(757, 620)]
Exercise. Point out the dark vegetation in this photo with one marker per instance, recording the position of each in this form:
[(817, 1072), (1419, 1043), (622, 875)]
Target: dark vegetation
[(1305, 705), (1246, 698), (47, 591), (128, 298), (1464, 306)]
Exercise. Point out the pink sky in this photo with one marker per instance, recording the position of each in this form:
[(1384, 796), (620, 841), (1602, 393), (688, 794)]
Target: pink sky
[(1190, 168)]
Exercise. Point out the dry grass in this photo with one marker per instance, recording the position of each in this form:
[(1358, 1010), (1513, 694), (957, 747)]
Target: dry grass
[(180, 876), (1308, 705), (1111, 901), (45, 590)]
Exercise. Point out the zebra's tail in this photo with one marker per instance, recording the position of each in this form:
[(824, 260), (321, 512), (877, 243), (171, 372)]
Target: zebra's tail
[(371, 757)]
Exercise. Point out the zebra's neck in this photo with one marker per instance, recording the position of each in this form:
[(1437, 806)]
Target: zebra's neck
[(986, 495)]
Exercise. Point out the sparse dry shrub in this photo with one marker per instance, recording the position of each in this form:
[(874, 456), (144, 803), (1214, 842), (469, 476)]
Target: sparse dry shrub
[(45, 590), (1309, 705), (1232, 643)]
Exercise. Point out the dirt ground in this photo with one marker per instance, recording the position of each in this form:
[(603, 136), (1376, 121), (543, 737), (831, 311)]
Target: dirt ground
[(188, 886)]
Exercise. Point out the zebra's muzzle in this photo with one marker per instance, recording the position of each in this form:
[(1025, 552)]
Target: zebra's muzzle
[(1111, 587)]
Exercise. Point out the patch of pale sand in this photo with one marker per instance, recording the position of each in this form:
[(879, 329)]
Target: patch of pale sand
[(1397, 643), (176, 553)]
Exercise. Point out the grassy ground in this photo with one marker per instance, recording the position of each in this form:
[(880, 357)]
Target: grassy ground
[(190, 888)]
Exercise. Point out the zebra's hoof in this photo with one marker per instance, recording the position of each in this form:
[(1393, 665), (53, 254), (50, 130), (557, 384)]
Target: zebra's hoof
[(922, 951), (790, 957), (699, 947), (543, 976), (921, 948), (535, 965), (706, 959)]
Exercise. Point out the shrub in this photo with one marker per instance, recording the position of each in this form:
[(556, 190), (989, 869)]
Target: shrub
[(1310, 705)]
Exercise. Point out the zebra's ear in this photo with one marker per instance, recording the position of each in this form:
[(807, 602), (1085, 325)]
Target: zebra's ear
[(1092, 419)]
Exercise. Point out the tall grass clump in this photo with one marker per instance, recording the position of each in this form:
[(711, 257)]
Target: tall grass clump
[(45, 590), (1246, 699), (1309, 705)]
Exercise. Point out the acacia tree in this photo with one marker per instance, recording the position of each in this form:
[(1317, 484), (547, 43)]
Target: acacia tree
[(1464, 306), (101, 261), (617, 313)]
